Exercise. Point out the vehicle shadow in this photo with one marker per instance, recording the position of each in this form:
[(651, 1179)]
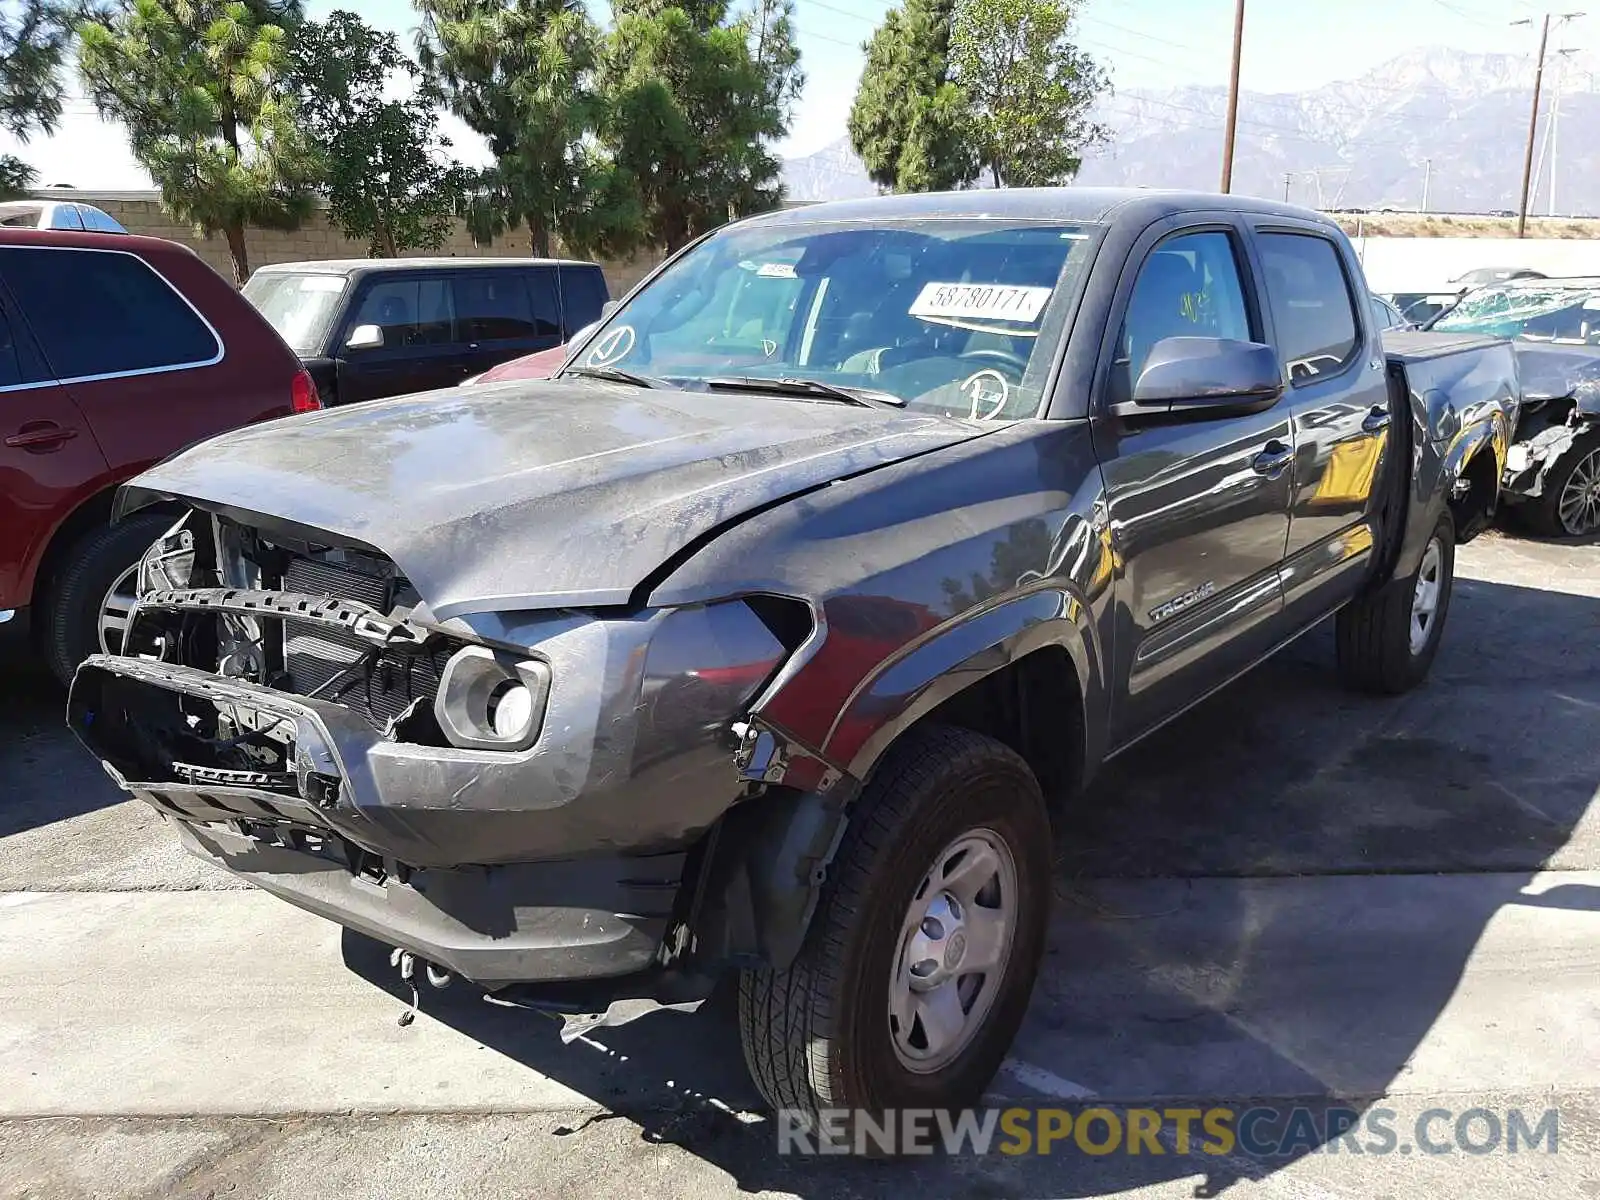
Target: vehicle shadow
[(1274, 896), (45, 775)]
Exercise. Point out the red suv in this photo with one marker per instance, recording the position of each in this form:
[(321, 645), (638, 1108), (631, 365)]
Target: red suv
[(115, 352)]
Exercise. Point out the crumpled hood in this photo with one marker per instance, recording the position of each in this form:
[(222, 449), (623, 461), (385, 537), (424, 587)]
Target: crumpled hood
[(536, 494), (1549, 369)]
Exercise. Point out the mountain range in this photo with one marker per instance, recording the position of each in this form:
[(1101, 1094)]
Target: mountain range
[(1452, 122)]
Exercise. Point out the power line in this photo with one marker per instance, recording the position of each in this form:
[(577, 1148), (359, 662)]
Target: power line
[(845, 12), (822, 37), (1486, 22)]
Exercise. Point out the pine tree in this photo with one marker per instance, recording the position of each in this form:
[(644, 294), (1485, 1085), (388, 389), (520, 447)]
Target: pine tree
[(201, 87), (909, 120)]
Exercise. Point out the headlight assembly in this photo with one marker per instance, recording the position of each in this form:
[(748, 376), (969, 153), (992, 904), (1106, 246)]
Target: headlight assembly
[(490, 701)]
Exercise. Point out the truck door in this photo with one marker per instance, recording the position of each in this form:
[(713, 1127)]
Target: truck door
[(1198, 505), (505, 313), (1339, 402), (420, 348)]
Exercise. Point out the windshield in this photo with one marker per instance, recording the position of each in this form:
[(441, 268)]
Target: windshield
[(1555, 312), (299, 307), (959, 317)]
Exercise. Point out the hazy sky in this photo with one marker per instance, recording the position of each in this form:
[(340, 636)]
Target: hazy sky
[(1290, 45)]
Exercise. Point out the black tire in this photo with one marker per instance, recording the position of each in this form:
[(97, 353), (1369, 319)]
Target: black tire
[(817, 1035), (1543, 516), (1373, 632), (70, 630)]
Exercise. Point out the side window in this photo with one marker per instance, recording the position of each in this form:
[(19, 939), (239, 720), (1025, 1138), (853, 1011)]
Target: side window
[(411, 312), (10, 366), (546, 303), (583, 293), (66, 217), (1189, 286), (1312, 308), (494, 307), (96, 312)]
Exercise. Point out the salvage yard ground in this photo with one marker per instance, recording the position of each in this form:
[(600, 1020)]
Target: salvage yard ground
[(1290, 893)]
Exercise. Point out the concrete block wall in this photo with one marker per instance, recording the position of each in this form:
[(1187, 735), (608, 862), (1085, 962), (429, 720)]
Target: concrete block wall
[(315, 239)]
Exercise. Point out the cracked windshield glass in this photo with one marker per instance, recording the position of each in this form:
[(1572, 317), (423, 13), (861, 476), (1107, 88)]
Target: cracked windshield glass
[(954, 317), (1556, 311)]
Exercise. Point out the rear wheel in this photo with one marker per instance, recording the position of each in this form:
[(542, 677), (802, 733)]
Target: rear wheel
[(89, 605), (917, 968), (1570, 503), (1386, 641)]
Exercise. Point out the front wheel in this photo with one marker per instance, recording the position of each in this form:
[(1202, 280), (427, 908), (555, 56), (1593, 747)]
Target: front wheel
[(1569, 505), (1386, 641), (917, 969), (90, 603)]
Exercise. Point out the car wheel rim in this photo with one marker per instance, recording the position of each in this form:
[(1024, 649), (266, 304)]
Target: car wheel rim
[(115, 611), (954, 945), (1579, 506), (1425, 599)]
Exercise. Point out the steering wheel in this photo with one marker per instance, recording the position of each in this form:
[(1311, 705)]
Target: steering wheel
[(1000, 356)]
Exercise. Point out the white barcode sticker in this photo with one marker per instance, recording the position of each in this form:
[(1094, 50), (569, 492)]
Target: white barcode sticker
[(981, 301)]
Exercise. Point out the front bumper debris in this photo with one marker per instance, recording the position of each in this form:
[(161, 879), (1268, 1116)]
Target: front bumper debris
[(318, 829), (590, 918)]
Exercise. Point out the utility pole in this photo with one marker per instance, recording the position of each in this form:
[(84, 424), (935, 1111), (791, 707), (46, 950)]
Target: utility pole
[(1288, 178), (1233, 98), (1533, 117), (1427, 176)]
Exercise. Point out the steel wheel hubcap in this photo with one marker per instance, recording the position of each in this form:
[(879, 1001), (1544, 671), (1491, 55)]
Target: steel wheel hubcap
[(1425, 600), (1579, 506), (954, 943)]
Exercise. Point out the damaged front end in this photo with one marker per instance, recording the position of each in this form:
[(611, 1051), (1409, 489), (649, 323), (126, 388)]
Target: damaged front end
[(532, 800), (1560, 406)]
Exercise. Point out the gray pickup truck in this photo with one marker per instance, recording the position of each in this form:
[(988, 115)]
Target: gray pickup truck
[(766, 636)]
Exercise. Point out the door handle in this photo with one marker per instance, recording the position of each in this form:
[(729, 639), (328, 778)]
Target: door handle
[(1377, 420), (1271, 461), (43, 436)]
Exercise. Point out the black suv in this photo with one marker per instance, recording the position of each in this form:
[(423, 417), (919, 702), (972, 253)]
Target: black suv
[(368, 328)]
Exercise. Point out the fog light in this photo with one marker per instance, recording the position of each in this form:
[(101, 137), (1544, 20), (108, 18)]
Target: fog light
[(511, 711), (491, 701)]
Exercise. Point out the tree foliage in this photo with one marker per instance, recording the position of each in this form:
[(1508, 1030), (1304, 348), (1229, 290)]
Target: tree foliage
[(16, 177), (521, 74), (388, 180), (908, 122), (694, 96), (1029, 89), (201, 87), (33, 41)]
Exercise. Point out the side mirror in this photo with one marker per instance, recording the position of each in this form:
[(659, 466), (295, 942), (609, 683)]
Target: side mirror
[(364, 337), (609, 307), (1214, 376), (581, 334)]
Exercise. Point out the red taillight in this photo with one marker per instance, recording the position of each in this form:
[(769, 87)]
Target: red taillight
[(303, 394)]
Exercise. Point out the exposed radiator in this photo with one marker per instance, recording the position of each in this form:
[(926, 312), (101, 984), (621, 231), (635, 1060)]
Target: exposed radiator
[(315, 654)]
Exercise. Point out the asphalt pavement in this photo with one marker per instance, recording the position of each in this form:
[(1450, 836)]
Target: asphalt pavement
[(1290, 896)]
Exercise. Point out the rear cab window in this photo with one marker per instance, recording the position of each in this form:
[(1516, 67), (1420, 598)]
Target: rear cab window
[(1313, 310), (98, 313)]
